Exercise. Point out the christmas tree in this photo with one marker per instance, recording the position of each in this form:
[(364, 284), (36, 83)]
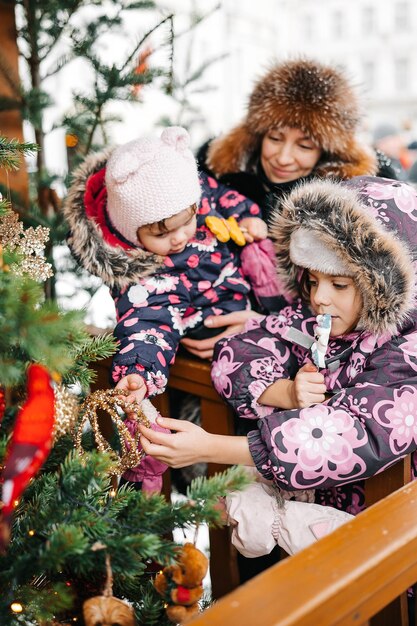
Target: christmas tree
[(67, 534)]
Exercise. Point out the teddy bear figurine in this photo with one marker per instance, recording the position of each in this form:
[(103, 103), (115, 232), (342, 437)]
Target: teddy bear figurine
[(181, 584)]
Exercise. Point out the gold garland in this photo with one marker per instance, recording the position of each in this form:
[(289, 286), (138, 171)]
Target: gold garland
[(106, 400)]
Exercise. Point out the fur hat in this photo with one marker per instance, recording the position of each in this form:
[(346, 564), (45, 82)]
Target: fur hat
[(304, 94), (149, 180), (360, 228)]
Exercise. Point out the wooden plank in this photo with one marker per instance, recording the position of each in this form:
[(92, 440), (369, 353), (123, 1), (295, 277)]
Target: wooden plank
[(342, 580), (11, 121), (377, 488)]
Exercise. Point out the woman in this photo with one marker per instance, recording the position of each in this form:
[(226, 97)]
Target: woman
[(301, 123)]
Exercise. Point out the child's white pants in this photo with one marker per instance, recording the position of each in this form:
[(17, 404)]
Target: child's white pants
[(260, 523)]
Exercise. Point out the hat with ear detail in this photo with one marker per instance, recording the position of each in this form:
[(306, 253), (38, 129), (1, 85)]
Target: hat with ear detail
[(149, 180)]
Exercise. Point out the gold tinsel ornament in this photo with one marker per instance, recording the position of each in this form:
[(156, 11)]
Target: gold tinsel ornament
[(66, 412), (106, 610), (29, 243), (108, 401)]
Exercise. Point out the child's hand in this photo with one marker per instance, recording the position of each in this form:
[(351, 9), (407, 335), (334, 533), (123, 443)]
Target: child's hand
[(253, 228), (136, 387), (308, 387), (187, 445)]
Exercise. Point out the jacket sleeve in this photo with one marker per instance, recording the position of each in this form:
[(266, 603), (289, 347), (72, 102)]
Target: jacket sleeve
[(245, 365), (149, 327), (360, 431), (228, 202)]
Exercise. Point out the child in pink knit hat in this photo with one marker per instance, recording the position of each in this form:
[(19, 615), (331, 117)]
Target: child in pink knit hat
[(138, 221)]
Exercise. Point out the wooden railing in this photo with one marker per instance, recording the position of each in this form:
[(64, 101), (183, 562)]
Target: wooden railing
[(344, 579)]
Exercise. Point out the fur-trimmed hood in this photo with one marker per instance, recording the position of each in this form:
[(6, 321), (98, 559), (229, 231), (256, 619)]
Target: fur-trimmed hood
[(302, 94), (112, 261), (371, 225)]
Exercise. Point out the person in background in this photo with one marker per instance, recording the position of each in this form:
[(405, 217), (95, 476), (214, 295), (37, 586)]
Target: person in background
[(301, 123), (345, 249), (389, 140)]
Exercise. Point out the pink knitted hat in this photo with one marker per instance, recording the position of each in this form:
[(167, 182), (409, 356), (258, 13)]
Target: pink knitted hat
[(149, 180)]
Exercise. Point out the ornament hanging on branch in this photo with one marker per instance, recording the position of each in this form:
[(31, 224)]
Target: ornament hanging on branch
[(108, 400), (106, 610), (29, 243), (181, 585), (29, 445), (2, 402), (66, 412)]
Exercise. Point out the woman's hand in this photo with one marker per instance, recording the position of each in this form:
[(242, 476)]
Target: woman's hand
[(190, 444), (308, 387), (235, 322)]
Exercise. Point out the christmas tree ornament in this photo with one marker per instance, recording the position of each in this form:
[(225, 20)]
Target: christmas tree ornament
[(106, 610), (66, 412), (181, 584), (29, 243), (29, 445), (108, 400), (2, 402)]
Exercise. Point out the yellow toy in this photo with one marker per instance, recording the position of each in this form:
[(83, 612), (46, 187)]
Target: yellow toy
[(225, 229)]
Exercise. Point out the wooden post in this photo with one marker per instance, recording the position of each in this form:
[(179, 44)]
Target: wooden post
[(11, 121)]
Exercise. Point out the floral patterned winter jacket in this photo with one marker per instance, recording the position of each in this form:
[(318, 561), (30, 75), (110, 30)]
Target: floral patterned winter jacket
[(158, 299), (369, 420)]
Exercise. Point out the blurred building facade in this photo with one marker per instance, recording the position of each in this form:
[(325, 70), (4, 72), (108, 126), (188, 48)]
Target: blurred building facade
[(373, 39)]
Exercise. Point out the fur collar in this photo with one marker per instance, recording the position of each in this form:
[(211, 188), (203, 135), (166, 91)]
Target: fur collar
[(113, 264)]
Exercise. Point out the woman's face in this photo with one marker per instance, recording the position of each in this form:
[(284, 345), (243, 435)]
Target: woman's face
[(288, 154), (338, 296)]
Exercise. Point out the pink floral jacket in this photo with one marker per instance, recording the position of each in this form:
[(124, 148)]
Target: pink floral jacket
[(369, 420)]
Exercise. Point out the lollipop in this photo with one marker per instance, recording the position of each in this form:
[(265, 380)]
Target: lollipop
[(322, 334)]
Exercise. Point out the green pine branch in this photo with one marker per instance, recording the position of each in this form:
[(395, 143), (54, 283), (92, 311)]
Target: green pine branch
[(11, 150), (69, 510)]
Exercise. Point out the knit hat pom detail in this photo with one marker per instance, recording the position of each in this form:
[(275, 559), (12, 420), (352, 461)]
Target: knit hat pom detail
[(177, 138)]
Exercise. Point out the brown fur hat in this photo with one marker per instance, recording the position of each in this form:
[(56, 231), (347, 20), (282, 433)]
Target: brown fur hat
[(304, 94), (345, 221)]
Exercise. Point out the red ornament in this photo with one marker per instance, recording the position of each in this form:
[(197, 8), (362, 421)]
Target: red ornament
[(29, 445), (2, 403)]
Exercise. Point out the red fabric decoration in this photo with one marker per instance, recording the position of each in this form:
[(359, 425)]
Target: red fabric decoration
[(2, 403), (184, 595), (30, 442)]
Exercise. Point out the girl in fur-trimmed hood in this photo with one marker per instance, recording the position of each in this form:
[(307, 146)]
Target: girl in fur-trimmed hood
[(347, 250)]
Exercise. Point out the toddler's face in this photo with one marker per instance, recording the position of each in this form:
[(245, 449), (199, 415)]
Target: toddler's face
[(170, 237), (338, 296)]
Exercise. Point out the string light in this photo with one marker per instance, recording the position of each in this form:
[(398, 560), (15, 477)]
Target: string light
[(31, 533), (16, 607)]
